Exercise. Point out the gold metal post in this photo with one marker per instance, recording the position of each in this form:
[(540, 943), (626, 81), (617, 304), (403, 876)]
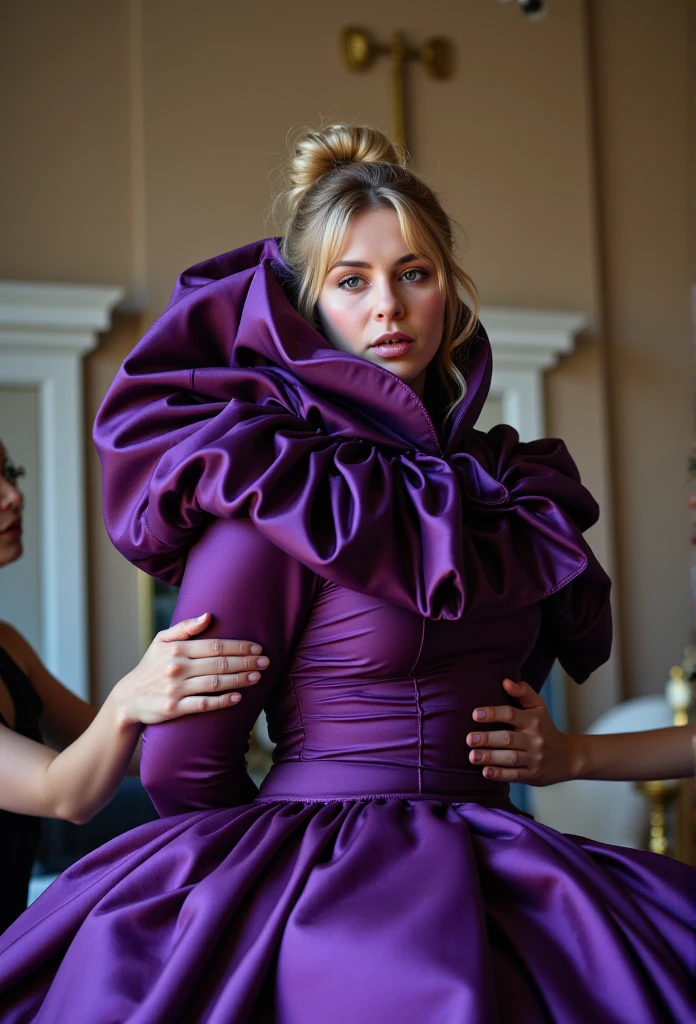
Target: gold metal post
[(679, 695), (398, 54), (661, 793), (359, 51)]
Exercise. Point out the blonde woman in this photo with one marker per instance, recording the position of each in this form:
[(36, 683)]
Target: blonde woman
[(174, 678), (295, 440)]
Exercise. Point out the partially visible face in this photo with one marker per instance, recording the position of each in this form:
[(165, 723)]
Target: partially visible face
[(11, 499), (381, 302)]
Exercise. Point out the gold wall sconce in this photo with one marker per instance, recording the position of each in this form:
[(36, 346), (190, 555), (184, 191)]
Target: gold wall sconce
[(359, 51), (662, 793)]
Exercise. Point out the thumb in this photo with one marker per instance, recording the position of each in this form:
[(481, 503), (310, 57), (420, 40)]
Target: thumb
[(523, 692), (186, 628)]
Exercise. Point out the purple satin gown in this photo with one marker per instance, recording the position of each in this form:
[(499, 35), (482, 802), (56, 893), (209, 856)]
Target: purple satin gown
[(304, 498)]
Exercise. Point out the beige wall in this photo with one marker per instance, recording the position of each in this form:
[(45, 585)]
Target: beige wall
[(642, 118), (141, 136)]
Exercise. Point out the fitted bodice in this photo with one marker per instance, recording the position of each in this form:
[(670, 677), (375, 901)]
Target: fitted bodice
[(377, 699), (372, 683)]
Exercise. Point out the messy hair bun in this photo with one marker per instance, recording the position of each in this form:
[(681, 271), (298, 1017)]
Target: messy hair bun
[(316, 152)]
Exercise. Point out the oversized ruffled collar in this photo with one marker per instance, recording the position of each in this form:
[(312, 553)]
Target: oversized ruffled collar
[(232, 406), (251, 281)]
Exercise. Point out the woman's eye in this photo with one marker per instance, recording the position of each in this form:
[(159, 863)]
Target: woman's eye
[(350, 283), (414, 274), (12, 473)]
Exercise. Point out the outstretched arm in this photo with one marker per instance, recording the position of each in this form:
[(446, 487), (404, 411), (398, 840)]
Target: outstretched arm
[(531, 749), (170, 681)]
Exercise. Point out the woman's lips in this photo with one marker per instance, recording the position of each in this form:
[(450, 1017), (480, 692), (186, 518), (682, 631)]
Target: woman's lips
[(392, 347), (11, 532)]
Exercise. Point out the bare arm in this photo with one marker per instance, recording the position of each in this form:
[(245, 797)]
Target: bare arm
[(656, 754), (254, 588), (529, 748), (166, 685), (64, 716), (74, 784)]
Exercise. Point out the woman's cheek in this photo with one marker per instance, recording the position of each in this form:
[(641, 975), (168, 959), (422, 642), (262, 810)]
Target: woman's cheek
[(434, 305), (344, 328)]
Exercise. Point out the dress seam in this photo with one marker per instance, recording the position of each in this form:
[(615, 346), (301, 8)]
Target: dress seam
[(367, 797), (300, 756), (419, 709), (414, 666)]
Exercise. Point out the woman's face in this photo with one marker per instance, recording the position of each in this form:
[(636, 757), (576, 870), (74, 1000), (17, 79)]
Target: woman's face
[(11, 499), (382, 303)]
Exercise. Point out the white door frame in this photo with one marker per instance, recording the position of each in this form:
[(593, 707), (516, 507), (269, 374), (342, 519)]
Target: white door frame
[(45, 331)]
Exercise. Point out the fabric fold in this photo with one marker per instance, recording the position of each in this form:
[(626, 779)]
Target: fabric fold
[(223, 916), (233, 406)]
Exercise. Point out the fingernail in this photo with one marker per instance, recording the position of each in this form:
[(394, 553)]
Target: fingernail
[(199, 618), (518, 686), (255, 649), (254, 677), (476, 738), (476, 756), (262, 662), (235, 698), (488, 772), (480, 714)]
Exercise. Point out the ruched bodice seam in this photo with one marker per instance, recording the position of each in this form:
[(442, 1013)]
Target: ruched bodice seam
[(298, 703), (419, 709), (414, 666), (419, 713)]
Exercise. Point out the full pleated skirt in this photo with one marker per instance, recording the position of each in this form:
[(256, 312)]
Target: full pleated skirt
[(355, 912)]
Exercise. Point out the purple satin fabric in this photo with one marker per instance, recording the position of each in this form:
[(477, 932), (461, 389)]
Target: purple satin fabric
[(394, 582), (232, 405), (354, 910), (377, 876)]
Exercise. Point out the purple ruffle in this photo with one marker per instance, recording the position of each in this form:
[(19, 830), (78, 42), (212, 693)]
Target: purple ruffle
[(233, 406)]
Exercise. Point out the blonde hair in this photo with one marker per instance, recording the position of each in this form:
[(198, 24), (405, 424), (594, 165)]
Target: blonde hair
[(340, 170)]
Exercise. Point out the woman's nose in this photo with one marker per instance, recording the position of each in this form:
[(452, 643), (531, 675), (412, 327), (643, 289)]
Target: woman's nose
[(388, 304), (10, 496)]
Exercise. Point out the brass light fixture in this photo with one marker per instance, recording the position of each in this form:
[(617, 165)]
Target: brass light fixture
[(359, 51), (661, 793)]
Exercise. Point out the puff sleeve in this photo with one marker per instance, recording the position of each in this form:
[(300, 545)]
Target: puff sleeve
[(441, 535), (251, 589)]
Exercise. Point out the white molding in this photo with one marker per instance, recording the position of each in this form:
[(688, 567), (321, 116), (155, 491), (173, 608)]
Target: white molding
[(45, 330), (59, 342), (60, 307), (526, 343)]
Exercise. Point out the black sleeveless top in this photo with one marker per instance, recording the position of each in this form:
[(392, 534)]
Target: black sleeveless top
[(19, 833)]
